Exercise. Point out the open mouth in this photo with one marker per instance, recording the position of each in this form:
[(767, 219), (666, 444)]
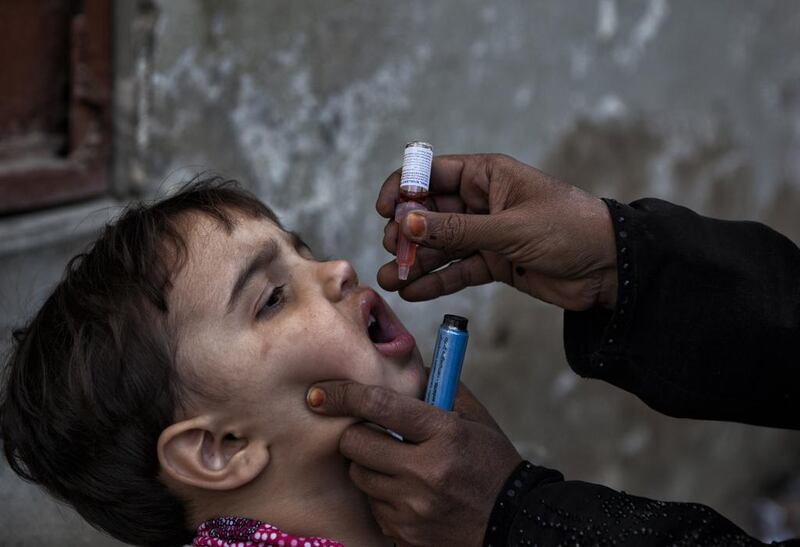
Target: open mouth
[(384, 330)]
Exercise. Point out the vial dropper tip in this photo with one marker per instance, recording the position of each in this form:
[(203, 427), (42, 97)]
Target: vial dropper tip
[(402, 272)]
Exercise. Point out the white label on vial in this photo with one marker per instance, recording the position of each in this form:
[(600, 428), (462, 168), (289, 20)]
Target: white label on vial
[(416, 173)]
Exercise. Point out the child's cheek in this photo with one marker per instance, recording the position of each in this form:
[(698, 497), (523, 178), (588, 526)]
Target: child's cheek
[(328, 361)]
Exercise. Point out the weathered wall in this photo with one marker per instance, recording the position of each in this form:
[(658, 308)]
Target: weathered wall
[(310, 103)]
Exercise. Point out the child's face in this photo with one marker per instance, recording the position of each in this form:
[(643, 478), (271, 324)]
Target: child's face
[(259, 320)]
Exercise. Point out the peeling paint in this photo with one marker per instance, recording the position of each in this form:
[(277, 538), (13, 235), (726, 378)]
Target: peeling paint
[(522, 96), (580, 59), (606, 19), (357, 109), (643, 32)]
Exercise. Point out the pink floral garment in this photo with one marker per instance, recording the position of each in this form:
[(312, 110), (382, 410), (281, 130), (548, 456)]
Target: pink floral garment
[(242, 532)]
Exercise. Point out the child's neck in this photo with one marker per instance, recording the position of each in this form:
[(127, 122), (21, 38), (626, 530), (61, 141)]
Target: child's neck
[(317, 499)]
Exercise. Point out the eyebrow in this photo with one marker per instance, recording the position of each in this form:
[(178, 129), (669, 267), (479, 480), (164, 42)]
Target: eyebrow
[(260, 261), (255, 263)]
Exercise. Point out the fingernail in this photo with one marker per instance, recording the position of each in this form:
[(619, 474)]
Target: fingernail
[(315, 397), (416, 224)]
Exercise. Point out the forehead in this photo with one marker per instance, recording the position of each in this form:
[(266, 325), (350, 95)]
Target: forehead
[(207, 239)]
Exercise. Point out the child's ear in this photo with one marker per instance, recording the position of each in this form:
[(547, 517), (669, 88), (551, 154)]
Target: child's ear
[(198, 453)]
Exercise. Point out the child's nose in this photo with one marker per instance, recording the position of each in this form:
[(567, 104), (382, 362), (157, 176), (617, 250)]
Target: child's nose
[(339, 278)]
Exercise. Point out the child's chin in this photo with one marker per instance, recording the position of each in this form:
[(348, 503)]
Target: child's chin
[(419, 377), (413, 375), (408, 378), (411, 382)]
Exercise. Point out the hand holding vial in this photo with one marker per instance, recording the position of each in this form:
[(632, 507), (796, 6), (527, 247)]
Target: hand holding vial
[(490, 218)]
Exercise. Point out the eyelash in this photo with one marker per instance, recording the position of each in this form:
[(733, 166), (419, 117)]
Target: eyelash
[(268, 308)]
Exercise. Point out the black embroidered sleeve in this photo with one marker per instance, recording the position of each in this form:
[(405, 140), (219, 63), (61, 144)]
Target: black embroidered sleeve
[(707, 322), (537, 507), (707, 325), (511, 500)]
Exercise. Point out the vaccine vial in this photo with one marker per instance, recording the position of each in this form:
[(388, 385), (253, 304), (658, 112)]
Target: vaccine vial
[(415, 180)]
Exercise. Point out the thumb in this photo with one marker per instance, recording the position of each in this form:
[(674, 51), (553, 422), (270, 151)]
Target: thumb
[(455, 232), (415, 420)]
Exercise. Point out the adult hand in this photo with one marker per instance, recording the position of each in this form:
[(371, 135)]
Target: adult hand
[(438, 487), (493, 218)]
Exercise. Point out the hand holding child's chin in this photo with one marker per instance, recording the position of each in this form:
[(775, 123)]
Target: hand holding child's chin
[(423, 490)]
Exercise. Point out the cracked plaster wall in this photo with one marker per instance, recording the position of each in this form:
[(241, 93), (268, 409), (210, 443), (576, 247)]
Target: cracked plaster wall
[(310, 103)]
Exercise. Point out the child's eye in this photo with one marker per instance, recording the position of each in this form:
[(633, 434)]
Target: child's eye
[(273, 302)]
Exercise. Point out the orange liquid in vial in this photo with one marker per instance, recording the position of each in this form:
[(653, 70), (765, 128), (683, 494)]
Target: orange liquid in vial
[(406, 250)]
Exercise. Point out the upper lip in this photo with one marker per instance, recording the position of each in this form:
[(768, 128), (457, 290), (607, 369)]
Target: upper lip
[(368, 300)]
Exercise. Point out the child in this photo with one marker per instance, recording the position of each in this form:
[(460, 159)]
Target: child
[(160, 390)]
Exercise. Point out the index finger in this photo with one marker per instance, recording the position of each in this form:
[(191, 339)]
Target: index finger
[(387, 197), (446, 174), (415, 420)]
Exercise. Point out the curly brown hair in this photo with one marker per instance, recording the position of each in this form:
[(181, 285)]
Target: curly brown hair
[(91, 380)]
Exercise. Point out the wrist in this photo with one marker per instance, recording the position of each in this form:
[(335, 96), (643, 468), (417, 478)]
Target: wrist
[(607, 296), (511, 500), (606, 257)]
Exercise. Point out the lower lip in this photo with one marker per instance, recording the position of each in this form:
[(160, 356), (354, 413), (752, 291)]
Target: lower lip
[(401, 345)]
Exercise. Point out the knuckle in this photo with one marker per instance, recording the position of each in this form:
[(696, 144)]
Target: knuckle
[(449, 427), (385, 517), (411, 536), (452, 231), (422, 506), (425, 261), (500, 158), (450, 279), (438, 477), (456, 429), (385, 530), (357, 475), (376, 400), (342, 396), (465, 277), (378, 510), (496, 161), (349, 442), (439, 282), (460, 438), (407, 467), (389, 244)]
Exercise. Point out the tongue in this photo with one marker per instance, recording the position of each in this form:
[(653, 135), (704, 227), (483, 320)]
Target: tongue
[(376, 333)]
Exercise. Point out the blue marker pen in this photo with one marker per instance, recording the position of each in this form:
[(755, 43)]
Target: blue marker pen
[(448, 356)]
